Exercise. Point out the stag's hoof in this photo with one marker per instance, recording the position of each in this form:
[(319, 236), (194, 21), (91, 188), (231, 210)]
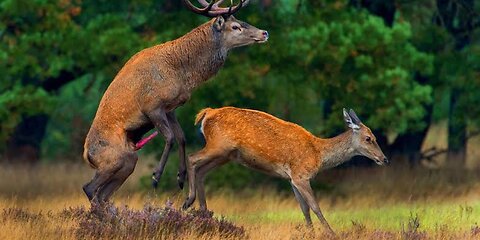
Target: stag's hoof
[(181, 179), (88, 192), (188, 202), (154, 181)]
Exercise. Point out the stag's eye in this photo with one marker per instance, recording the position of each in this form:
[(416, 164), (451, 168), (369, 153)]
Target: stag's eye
[(368, 139), (235, 27)]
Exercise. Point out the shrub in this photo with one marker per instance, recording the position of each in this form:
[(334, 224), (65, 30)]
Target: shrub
[(149, 223)]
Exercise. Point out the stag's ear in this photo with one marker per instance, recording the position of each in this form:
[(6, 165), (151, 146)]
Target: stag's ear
[(219, 23), (349, 121)]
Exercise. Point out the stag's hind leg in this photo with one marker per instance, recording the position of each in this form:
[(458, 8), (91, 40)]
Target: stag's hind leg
[(180, 138), (129, 160), (101, 177), (108, 163), (160, 120)]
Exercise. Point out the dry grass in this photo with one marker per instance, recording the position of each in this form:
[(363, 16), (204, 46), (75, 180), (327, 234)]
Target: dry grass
[(377, 203)]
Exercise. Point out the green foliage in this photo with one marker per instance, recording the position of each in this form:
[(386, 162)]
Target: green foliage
[(19, 101), (30, 50), (322, 56), (359, 62)]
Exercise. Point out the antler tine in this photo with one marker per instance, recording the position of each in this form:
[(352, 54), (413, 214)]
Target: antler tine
[(203, 11), (232, 11), (212, 9), (205, 3), (217, 4)]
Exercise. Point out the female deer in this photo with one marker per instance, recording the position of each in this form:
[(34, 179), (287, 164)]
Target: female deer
[(276, 147)]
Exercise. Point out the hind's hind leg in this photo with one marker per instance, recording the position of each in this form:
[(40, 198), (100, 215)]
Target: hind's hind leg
[(200, 179), (195, 161), (129, 161)]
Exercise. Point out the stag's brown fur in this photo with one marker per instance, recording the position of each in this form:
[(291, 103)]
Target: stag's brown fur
[(145, 93), (276, 147)]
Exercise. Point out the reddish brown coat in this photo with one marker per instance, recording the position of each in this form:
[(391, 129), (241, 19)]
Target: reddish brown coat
[(277, 147), (145, 93)]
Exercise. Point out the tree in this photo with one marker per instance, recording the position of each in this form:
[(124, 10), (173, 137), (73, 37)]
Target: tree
[(46, 45), (447, 30)]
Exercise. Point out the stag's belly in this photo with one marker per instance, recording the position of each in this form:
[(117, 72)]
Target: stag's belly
[(175, 101)]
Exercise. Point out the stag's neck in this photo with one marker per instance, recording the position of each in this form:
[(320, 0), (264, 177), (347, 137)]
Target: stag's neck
[(335, 151), (200, 54)]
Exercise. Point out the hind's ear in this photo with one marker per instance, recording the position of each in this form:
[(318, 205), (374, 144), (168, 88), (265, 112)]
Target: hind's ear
[(349, 121), (354, 116), (219, 23)]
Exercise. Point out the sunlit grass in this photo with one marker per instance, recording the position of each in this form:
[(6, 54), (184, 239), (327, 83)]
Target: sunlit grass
[(375, 203), (454, 215)]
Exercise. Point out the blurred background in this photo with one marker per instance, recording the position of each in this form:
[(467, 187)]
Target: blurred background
[(410, 69)]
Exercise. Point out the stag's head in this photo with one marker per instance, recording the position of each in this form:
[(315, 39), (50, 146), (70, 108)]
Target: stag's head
[(233, 33), (363, 141)]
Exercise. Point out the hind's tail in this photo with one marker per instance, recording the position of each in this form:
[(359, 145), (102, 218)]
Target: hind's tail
[(201, 115)]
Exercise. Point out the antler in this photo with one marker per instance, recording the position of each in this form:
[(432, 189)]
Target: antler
[(212, 9)]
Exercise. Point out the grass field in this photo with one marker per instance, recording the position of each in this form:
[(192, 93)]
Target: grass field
[(377, 203)]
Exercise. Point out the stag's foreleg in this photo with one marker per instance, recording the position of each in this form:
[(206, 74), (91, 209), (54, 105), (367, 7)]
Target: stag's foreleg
[(159, 118), (180, 138)]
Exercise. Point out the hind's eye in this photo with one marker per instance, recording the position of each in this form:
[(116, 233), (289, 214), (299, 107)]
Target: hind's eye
[(368, 139), (235, 27)]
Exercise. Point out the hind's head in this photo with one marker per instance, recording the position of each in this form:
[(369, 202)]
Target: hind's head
[(364, 142)]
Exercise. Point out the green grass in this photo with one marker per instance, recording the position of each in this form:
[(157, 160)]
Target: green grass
[(450, 216), (457, 217)]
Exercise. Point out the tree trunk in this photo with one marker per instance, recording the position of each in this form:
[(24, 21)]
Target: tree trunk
[(381, 8), (24, 145), (406, 149), (459, 20), (457, 132)]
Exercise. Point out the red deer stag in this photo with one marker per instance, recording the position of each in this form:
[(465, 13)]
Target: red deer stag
[(147, 90), (263, 142)]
